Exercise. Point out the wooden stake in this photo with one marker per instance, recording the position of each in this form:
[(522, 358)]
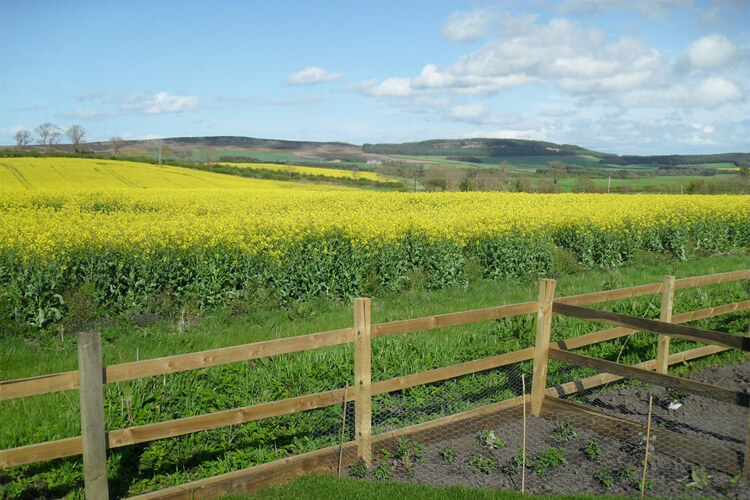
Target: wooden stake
[(93, 438), (343, 426), (665, 315), (362, 380), (523, 454), (541, 349), (648, 439)]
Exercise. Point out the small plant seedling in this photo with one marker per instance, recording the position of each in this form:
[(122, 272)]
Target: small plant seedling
[(406, 452), (488, 439), (383, 471), (627, 473), (485, 465), (565, 431), (699, 478), (358, 469), (606, 478), (549, 459), (593, 451), (649, 485), (735, 481), (448, 454), (518, 459)]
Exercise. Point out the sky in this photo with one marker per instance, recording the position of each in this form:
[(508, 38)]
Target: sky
[(619, 76)]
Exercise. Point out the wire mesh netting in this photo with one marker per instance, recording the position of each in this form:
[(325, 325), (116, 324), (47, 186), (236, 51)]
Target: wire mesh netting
[(590, 442)]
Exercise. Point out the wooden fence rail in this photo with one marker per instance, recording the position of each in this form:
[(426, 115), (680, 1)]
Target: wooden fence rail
[(361, 334)]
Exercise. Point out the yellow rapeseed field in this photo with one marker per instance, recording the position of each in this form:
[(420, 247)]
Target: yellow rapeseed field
[(209, 237), (325, 172), (75, 174)]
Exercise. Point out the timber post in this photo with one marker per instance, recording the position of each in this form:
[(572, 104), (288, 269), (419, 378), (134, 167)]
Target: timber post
[(362, 381), (665, 315), (541, 347), (93, 437)]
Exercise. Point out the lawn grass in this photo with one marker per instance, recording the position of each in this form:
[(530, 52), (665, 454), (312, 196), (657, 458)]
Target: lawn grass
[(332, 488)]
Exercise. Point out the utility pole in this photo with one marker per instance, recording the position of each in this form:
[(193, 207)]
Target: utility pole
[(160, 156), (609, 183)]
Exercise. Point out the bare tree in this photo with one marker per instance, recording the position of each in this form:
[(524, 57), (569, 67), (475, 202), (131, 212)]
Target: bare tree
[(44, 131), (23, 138), (55, 135), (117, 143), (76, 133)]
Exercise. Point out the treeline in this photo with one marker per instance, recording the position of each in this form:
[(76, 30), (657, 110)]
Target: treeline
[(738, 159), (560, 169), (476, 148)]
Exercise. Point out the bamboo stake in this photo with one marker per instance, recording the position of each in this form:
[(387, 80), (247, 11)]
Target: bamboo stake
[(648, 438), (523, 454), (343, 426)]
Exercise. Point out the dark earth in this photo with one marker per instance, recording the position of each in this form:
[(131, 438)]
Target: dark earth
[(594, 461)]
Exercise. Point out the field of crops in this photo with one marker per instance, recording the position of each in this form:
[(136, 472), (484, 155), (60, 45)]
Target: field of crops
[(75, 174), (325, 172), (133, 249)]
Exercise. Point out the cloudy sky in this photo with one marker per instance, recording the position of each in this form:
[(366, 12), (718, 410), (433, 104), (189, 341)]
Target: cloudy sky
[(622, 76)]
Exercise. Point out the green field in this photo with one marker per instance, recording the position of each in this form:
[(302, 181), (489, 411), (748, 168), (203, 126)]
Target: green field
[(640, 184), (173, 461)]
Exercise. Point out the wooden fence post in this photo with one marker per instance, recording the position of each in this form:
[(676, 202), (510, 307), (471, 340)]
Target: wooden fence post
[(667, 300), (362, 379), (94, 441), (541, 348)]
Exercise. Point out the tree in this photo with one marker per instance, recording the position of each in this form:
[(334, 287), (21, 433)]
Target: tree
[(55, 135), (45, 131), (23, 138), (75, 133), (117, 143)]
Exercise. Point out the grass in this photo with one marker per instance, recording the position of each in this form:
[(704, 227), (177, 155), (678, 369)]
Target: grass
[(331, 488), (174, 461)]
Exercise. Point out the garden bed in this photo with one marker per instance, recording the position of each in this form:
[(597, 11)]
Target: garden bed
[(596, 449)]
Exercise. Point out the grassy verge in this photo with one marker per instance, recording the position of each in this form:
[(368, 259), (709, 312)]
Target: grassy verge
[(331, 488), (174, 461)]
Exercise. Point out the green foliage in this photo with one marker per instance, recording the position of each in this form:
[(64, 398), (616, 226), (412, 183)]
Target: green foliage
[(448, 454), (549, 459), (382, 471), (593, 451), (699, 478), (358, 469), (488, 439), (406, 452), (485, 465), (606, 478), (565, 431)]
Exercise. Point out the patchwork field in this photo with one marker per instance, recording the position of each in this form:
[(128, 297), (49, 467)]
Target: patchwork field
[(75, 174)]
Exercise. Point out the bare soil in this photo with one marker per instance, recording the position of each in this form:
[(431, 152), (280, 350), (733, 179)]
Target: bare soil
[(464, 458)]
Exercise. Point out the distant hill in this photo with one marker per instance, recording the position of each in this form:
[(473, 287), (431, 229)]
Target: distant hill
[(468, 151), (478, 147)]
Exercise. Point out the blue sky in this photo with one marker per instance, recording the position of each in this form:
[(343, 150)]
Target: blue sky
[(622, 76)]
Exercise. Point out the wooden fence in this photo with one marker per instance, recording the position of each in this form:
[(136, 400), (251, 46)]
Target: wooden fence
[(91, 375)]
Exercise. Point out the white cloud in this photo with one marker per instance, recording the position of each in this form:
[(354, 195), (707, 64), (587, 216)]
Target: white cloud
[(715, 91), (467, 26), (161, 102), (87, 96), (712, 51), (472, 113), (392, 87), (311, 75), (652, 8)]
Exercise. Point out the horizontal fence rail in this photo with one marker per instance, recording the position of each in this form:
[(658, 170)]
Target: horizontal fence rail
[(559, 350)]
